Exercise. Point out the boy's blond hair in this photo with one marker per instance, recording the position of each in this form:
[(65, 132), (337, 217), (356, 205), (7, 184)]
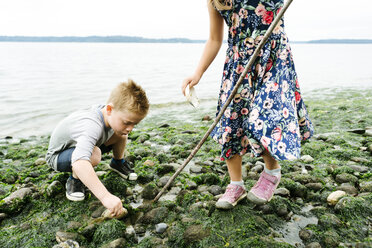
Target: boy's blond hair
[(222, 4), (129, 96)]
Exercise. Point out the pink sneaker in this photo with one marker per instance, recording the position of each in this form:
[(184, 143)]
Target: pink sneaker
[(231, 197), (263, 190)]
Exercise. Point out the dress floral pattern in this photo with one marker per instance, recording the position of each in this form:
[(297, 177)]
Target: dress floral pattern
[(268, 111)]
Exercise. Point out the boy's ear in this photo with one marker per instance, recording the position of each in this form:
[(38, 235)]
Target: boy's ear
[(109, 108)]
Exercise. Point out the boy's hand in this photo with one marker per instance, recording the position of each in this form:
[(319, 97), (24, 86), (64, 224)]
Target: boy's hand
[(113, 203)]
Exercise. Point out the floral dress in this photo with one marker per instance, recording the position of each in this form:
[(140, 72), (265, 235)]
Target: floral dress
[(268, 111)]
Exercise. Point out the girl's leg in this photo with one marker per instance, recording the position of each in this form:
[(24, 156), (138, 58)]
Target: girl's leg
[(235, 191), (270, 162), (234, 166)]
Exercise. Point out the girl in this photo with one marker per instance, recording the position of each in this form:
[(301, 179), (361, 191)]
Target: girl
[(267, 116)]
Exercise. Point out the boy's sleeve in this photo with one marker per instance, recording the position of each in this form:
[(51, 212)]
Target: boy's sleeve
[(86, 134)]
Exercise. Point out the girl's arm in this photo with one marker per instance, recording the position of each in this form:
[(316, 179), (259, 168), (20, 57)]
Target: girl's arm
[(211, 48)]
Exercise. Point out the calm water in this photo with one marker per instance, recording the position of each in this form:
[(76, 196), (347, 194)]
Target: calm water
[(40, 83)]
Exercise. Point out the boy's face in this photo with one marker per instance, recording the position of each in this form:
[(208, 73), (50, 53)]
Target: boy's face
[(122, 122)]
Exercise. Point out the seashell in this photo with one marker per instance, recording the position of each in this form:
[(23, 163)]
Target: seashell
[(107, 214), (191, 97)]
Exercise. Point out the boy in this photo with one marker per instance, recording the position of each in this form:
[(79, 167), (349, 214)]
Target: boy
[(78, 141)]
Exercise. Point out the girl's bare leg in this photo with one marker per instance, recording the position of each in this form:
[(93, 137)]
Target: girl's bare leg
[(234, 166)]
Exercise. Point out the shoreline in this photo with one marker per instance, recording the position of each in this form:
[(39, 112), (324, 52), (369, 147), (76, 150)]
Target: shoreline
[(35, 212), (163, 112)]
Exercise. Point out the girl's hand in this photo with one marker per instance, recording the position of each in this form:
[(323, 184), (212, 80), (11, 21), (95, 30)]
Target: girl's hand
[(191, 81)]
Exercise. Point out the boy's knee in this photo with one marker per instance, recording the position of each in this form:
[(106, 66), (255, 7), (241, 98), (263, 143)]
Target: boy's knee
[(95, 159)]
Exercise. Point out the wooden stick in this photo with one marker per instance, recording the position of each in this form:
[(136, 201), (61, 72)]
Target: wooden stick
[(232, 95)]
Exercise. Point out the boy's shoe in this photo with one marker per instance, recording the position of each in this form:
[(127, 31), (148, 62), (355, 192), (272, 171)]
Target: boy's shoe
[(231, 197), (124, 170), (75, 189), (263, 190)]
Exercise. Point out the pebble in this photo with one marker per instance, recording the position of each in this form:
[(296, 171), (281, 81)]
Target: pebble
[(67, 244), (346, 178), (359, 168), (307, 158), (163, 181), (313, 245), (117, 243), (215, 190), (366, 186), (161, 227), (107, 214), (129, 231), (64, 236), (258, 168), (348, 188), (305, 234), (282, 192), (149, 163), (40, 161), (314, 186), (196, 169), (334, 197)]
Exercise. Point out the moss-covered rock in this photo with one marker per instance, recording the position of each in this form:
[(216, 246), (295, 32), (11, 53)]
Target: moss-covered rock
[(108, 231)]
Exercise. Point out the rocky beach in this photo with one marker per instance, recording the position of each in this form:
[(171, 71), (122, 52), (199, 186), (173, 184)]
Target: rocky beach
[(323, 200)]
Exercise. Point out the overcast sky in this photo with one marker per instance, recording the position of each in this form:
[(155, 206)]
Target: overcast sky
[(305, 19)]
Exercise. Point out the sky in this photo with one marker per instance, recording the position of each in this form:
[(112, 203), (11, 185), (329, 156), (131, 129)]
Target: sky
[(304, 20)]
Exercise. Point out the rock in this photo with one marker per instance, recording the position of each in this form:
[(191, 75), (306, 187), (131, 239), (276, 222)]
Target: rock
[(196, 169), (305, 234), (334, 197), (154, 216), (109, 230), (150, 191), (368, 132), (357, 131), (346, 178), (359, 160), (163, 181), (67, 244), (191, 184), (73, 225), (370, 148), (165, 125), (89, 230), (314, 186), (359, 168), (331, 238), (313, 245), (40, 161), (208, 163), (117, 243), (307, 159), (98, 212), (348, 188), (253, 175), (161, 227), (282, 192), (130, 232), (203, 188), (107, 214), (328, 220), (168, 197), (206, 118), (195, 233), (3, 216), (32, 153), (366, 186), (215, 190), (15, 201), (281, 210), (54, 189), (342, 204), (258, 168), (101, 173), (149, 163), (64, 236)]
